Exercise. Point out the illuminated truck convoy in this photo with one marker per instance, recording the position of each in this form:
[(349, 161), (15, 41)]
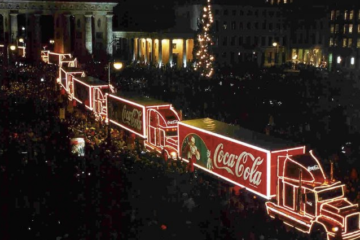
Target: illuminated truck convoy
[(153, 121), (290, 179)]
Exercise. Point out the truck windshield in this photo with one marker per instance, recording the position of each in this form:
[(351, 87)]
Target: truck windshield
[(330, 194), (171, 133)]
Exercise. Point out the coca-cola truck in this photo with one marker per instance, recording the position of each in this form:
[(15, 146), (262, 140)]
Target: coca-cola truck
[(293, 181), (53, 57), (66, 75), (90, 92), (153, 121)]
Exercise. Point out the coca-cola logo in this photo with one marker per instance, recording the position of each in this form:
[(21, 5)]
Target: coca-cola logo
[(172, 122), (238, 165), (313, 168), (132, 118)]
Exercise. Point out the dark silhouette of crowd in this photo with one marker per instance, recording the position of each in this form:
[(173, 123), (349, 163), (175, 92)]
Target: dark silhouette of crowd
[(117, 190)]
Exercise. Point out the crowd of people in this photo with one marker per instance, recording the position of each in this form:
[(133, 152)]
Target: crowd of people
[(117, 190)]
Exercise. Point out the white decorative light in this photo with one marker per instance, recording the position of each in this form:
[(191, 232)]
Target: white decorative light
[(205, 60), (338, 59)]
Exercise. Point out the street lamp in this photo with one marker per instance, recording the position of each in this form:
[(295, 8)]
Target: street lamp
[(275, 44), (12, 48), (117, 65), (51, 41), (21, 40)]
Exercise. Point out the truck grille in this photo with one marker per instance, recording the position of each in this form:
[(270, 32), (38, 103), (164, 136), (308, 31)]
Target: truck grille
[(353, 223)]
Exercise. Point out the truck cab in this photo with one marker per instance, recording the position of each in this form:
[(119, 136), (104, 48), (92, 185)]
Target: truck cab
[(162, 130), (310, 202)]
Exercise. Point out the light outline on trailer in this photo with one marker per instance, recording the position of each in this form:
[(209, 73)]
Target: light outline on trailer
[(129, 102), (268, 185), (290, 149), (89, 107), (231, 181), (268, 160)]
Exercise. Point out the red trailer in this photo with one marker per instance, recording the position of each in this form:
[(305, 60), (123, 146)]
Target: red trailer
[(240, 156), (152, 120), (91, 92), (66, 75), (300, 192)]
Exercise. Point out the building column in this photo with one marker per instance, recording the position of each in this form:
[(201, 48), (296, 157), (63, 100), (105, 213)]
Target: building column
[(37, 37), (6, 26), (88, 33), (160, 53), (153, 51), (109, 33), (184, 53), (139, 49), (146, 51), (171, 52), (67, 34), (128, 48), (14, 27), (132, 45)]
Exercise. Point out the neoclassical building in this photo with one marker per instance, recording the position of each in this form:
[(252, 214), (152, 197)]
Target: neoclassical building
[(83, 27), (159, 49), (80, 25)]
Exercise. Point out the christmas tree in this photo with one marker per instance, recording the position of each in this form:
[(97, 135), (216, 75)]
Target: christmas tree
[(204, 62)]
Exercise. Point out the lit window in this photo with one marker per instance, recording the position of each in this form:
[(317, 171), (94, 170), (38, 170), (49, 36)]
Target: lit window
[(352, 60), (358, 43), (345, 42), (332, 28), (225, 25), (351, 15), (358, 28), (332, 16), (337, 13), (346, 14), (350, 28), (336, 28), (350, 42), (285, 1), (331, 42)]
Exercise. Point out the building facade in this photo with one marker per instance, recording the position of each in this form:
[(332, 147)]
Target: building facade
[(344, 40), (79, 27), (245, 33), (309, 39), (158, 49)]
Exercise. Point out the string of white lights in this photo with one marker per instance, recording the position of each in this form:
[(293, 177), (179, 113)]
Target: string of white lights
[(205, 60)]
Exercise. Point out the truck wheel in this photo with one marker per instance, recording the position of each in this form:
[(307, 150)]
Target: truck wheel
[(318, 232)]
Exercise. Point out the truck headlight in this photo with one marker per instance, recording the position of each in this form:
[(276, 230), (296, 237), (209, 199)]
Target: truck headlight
[(173, 155), (335, 229)]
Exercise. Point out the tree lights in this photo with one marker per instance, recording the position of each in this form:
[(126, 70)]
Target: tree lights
[(204, 59)]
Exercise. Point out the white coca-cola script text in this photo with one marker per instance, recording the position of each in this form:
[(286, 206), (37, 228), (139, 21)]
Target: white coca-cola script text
[(172, 122), (132, 118), (237, 164)]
